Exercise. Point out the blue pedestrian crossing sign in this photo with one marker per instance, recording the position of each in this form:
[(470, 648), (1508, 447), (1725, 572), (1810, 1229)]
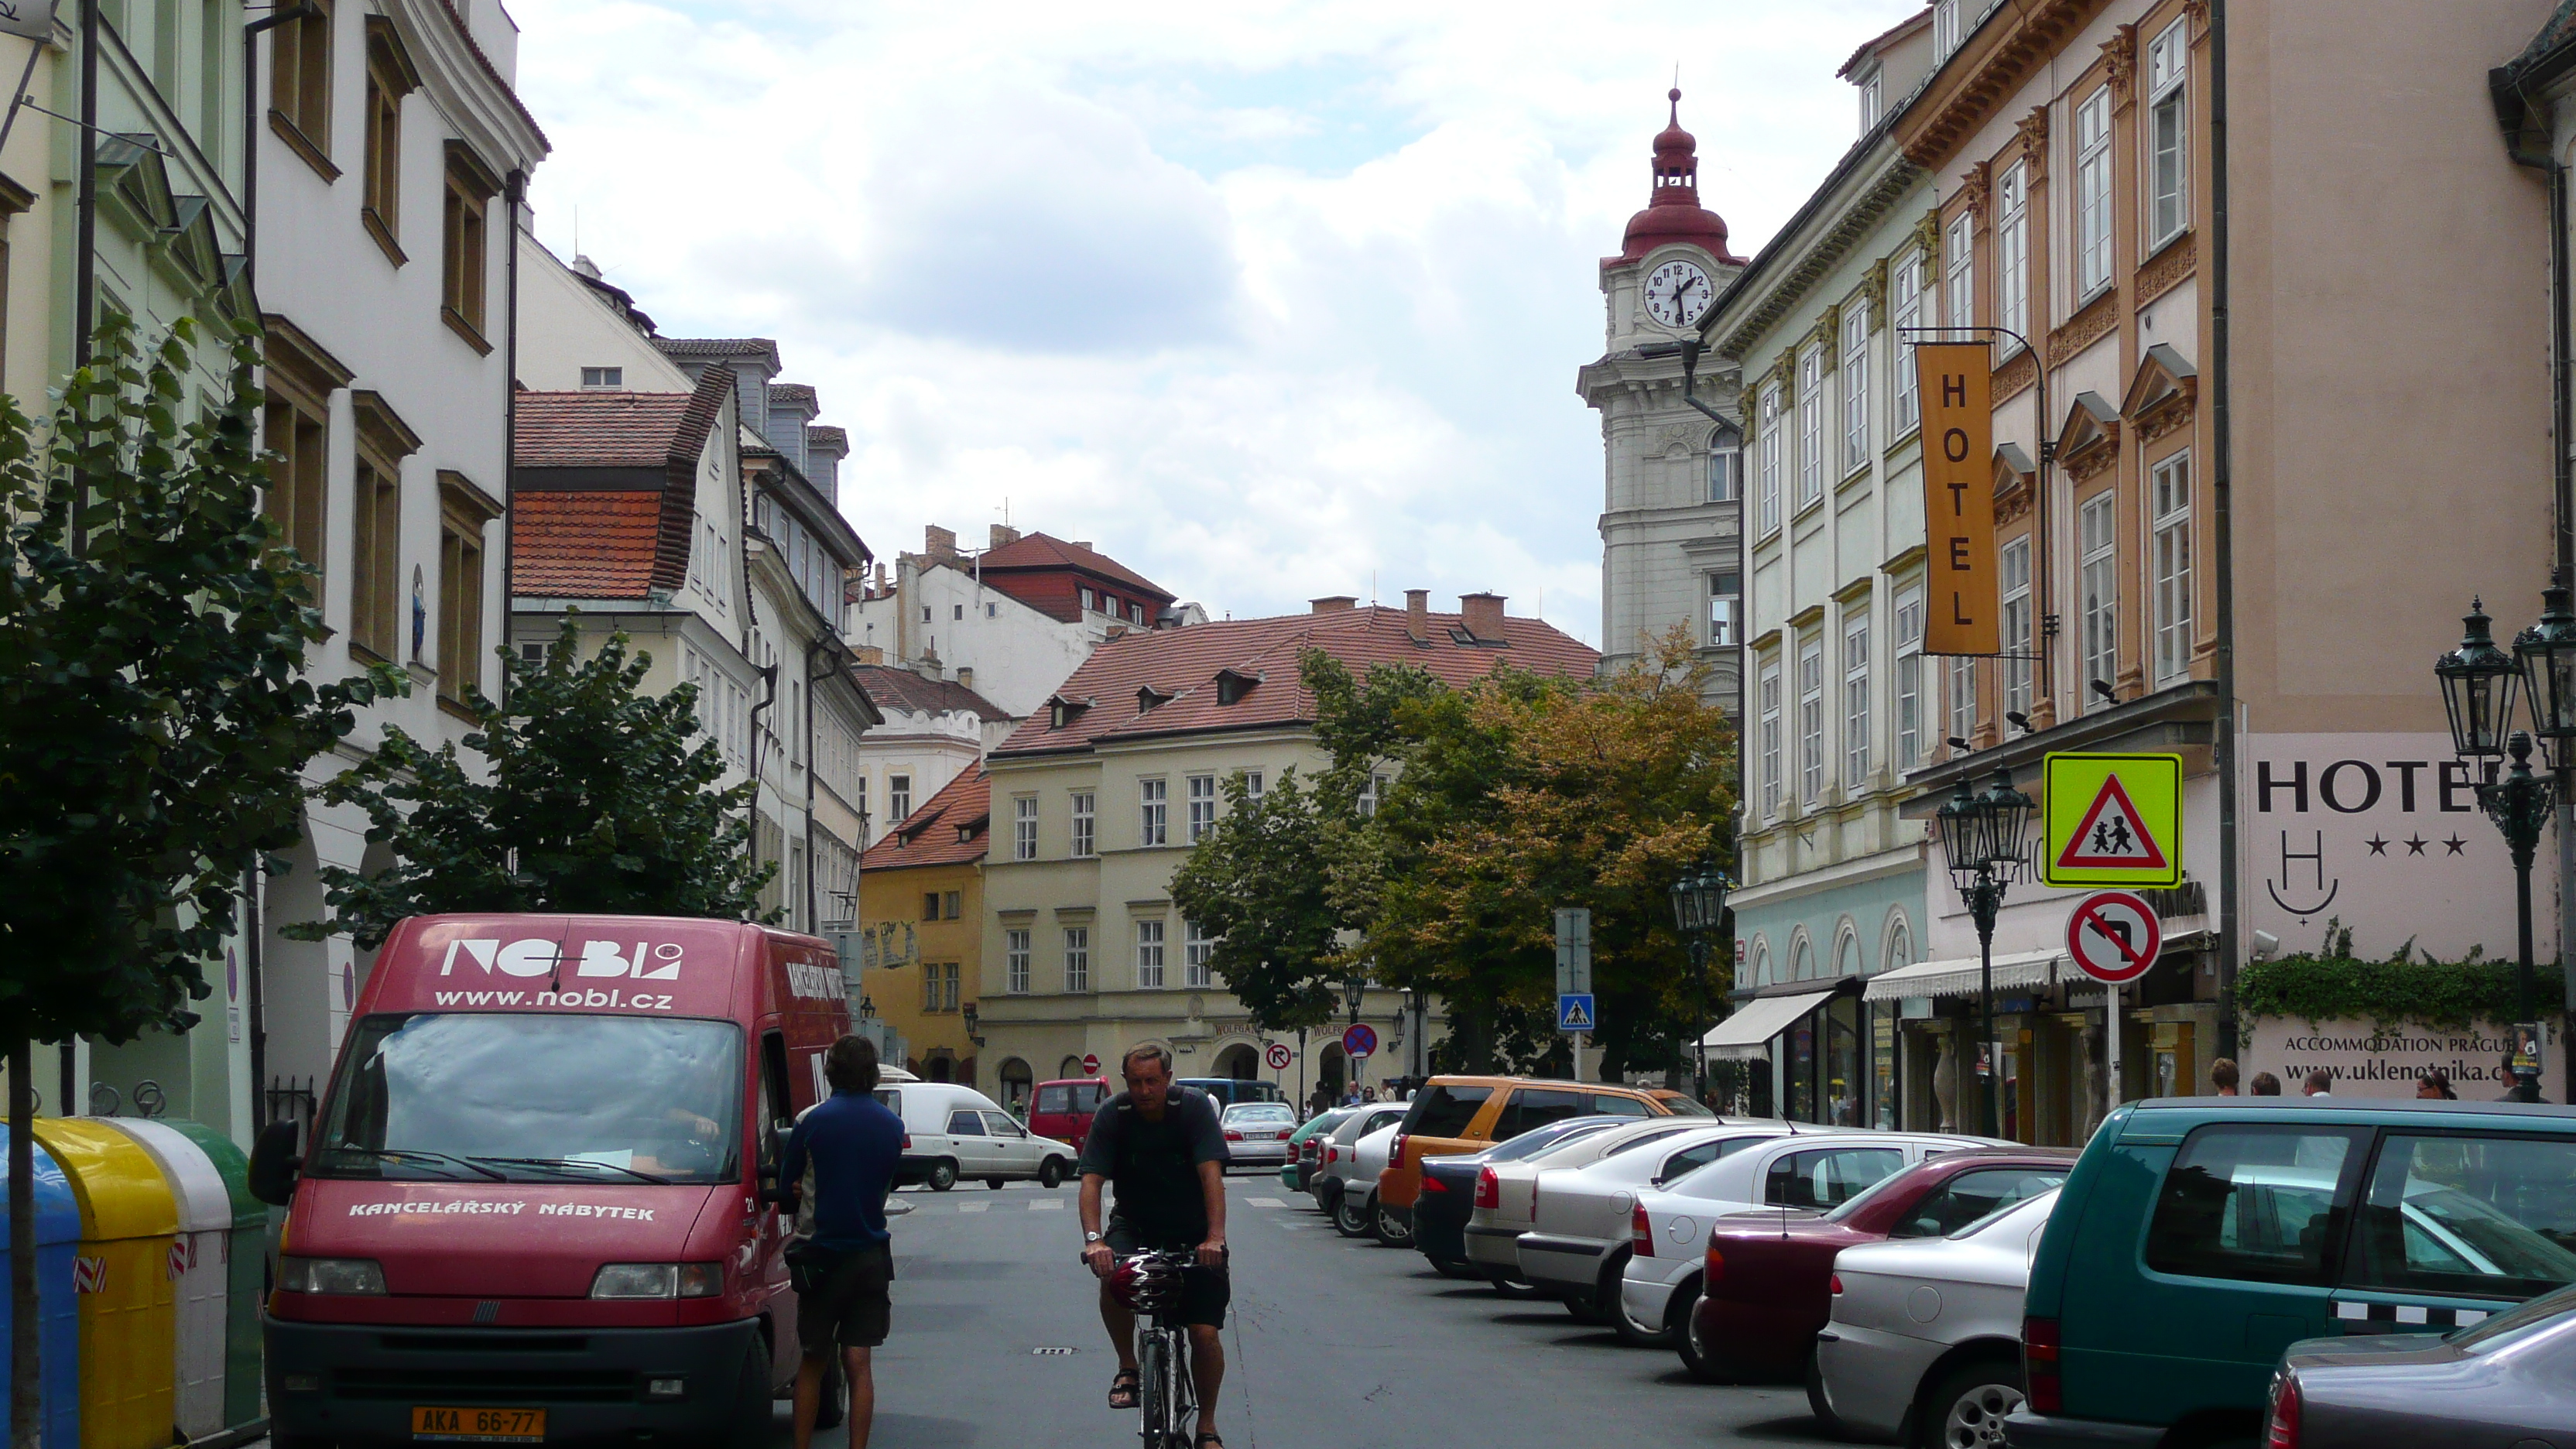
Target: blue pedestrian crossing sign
[(1574, 1012)]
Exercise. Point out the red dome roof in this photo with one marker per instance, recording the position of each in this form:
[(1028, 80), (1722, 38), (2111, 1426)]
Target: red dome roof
[(1673, 213)]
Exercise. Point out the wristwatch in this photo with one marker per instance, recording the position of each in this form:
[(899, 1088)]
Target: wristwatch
[(1090, 1238)]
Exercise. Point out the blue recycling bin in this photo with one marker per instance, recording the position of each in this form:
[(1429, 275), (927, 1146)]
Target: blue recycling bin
[(58, 1231)]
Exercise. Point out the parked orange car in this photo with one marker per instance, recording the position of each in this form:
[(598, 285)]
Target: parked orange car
[(1463, 1114)]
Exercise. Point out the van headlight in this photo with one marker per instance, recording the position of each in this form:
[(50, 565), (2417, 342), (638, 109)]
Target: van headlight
[(330, 1275), (658, 1280)]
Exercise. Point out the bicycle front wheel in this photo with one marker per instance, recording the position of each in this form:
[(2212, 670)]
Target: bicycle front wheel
[(1154, 1391)]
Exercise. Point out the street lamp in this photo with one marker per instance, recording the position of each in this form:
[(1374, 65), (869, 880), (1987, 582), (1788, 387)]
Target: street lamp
[(972, 1021), (1354, 986), (2478, 683), (1983, 837), (1699, 910)]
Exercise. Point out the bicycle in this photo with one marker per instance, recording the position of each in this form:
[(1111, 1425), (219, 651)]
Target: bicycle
[(1166, 1398)]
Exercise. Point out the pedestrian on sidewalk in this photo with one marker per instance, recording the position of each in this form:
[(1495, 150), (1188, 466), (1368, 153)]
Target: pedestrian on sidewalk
[(2320, 1084), (2266, 1085), (2222, 1075), (844, 1273)]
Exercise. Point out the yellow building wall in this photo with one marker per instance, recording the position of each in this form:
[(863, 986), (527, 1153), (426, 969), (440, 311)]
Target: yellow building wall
[(933, 1037)]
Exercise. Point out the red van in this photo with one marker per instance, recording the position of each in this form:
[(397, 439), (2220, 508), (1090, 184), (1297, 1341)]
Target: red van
[(539, 1202), (1063, 1109)]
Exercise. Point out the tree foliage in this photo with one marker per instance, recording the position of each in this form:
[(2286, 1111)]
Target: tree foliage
[(2410, 988), (1263, 891), (595, 798), (154, 714)]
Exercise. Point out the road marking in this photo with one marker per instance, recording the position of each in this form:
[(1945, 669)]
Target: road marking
[(1265, 1202), (1047, 1205), (972, 1207)]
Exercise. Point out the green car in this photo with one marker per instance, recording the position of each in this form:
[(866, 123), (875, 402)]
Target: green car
[(1299, 1169), (2198, 1237)]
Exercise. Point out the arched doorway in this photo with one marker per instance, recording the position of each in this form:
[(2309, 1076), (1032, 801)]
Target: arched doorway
[(1016, 1081), (1070, 1067), (1332, 1070), (943, 1067), (1239, 1062)]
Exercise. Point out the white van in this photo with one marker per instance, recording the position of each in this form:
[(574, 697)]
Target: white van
[(951, 1132)]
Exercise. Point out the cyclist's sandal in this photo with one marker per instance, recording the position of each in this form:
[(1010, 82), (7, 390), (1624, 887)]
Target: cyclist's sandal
[(1207, 1437), (1125, 1390)]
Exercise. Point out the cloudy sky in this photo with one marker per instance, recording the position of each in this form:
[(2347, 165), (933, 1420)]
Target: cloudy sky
[(1269, 300)]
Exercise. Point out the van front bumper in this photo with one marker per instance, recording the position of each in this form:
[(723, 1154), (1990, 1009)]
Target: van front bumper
[(358, 1383), (2026, 1430)]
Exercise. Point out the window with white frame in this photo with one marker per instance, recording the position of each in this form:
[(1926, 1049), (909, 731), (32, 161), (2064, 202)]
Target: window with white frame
[(1905, 301), (2012, 251), (2093, 193), (1769, 496), (1252, 787), (1024, 828), (1811, 721), (1202, 807), (2013, 566), (1077, 958), (2168, 153), (1197, 950), (1086, 824), (1151, 806), (1909, 680), (1945, 28), (1856, 700), (1149, 955), (1959, 272), (2097, 527), (1725, 465), (1811, 426), (898, 797), (1963, 697), (1856, 385), (1873, 95), (1770, 700), (1015, 961), (1372, 795), (2169, 489), (1722, 592)]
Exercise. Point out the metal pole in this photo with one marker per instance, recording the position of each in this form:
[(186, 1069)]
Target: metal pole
[(1699, 967), (1988, 898)]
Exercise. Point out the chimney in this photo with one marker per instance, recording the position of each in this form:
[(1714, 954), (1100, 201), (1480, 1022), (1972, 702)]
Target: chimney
[(940, 543), (1417, 615), (1332, 604), (585, 266), (966, 676), (1085, 545), (1003, 533), (868, 654), (1483, 615)]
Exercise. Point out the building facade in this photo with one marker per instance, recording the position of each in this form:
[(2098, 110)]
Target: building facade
[(921, 902), (935, 730)]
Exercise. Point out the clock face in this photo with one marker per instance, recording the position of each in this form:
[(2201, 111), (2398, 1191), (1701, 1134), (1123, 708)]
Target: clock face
[(1678, 293)]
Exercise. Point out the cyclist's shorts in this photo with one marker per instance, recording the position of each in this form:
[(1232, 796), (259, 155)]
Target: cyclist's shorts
[(1205, 1292)]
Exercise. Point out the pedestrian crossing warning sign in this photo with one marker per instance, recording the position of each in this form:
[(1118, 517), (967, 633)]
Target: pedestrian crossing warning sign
[(2113, 820)]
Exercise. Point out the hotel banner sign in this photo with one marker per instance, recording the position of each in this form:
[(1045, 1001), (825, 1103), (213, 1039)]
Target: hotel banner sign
[(1957, 387)]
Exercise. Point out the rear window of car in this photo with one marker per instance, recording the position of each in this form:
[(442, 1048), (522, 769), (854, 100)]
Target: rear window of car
[(2260, 1202), (1828, 1177), (1610, 1106), (1444, 1110), (1054, 1099), (1684, 1107), (1970, 1196), (893, 1100), (1259, 1112), (1633, 1143)]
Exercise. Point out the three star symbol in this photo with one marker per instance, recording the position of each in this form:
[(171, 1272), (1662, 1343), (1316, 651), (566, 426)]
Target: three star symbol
[(2415, 845)]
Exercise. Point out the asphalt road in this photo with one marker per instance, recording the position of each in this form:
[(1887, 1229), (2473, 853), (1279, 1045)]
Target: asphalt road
[(1333, 1344)]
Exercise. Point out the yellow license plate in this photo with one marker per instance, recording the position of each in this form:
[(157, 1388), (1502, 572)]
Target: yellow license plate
[(479, 1426)]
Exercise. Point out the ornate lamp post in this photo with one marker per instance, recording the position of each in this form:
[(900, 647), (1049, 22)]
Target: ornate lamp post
[(1699, 910), (2478, 682), (973, 1020), (1983, 836)]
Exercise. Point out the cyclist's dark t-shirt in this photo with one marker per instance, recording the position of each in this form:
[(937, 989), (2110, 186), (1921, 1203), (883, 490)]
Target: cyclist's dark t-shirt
[(1153, 1167)]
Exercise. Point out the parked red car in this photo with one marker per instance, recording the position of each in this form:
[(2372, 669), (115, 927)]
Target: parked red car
[(1767, 1287), (1063, 1109)]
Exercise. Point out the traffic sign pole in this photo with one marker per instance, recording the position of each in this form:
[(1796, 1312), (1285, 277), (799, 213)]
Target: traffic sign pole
[(2114, 937)]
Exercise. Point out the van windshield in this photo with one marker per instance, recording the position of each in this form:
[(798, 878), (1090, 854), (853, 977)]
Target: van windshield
[(446, 1096)]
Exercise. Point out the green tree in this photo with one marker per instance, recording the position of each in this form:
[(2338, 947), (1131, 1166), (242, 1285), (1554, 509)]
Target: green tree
[(1260, 885), (596, 799), (154, 717)]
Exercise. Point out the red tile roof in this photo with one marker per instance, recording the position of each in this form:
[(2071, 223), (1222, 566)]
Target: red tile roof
[(952, 827), (599, 429), (889, 687), (586, 545), (1183, 664), (1034, 552)]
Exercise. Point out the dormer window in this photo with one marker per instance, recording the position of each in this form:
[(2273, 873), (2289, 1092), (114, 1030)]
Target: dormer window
[(1147, 696), (1872, 101), (1062, 711), (1233, 685)]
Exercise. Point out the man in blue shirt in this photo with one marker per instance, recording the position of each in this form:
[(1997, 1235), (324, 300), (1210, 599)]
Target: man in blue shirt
[(845, 1289)]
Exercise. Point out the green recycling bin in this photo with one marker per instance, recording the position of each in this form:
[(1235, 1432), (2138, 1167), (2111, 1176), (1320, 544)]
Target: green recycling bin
[(246, 1264)]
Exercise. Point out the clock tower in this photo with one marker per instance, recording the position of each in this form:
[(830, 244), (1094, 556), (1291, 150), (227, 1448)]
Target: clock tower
[(1672, 479)]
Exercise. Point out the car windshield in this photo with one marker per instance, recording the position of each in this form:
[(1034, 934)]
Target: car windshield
[(443, 1096)]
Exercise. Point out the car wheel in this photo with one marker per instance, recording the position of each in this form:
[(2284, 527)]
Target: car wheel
[(1051, 1172), (943, 1175), (1389, 1229), (752, 1416), (1966, 1410), (1681, 1320), (1454, 1267), (1351, 1215), (1507, 1286), (994, 1183), (1327, 1195), (1829, 1422), (1585, 1308)]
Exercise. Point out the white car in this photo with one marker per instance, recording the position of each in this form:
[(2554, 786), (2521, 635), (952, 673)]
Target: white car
[(1904, 1309), (1577, 1242), (1337, 1174), (952, 1132), (1506, 1190), (1256, 1133), (1355, 1213)]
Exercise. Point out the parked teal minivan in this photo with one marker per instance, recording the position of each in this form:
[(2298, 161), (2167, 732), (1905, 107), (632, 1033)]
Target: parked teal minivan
[(2197, 1237)]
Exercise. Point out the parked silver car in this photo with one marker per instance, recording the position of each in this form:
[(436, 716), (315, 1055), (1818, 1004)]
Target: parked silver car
[(1340, 1169), (1257, 1133), (1924, 1345), (2504, 1380)]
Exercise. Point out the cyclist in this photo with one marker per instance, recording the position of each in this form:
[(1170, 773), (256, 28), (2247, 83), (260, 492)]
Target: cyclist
[(1162, 1148)]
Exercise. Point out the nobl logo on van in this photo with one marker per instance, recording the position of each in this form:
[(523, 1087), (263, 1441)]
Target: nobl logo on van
[(815, 983), (536, 956)]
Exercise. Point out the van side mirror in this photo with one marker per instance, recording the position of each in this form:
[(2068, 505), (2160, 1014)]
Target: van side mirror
[(273, 1163), (771, 1195)]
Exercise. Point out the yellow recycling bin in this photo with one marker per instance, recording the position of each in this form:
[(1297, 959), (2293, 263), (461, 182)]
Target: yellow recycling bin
[(124, 1282)]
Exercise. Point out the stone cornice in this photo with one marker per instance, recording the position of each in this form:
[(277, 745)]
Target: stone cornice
[(1835, 235), (1984, 73)]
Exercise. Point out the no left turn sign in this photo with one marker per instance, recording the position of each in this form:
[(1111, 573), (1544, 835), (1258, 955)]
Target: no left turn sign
[(2114, 936)]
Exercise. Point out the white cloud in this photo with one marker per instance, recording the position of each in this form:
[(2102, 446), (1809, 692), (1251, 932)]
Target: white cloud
[(1265, 299)]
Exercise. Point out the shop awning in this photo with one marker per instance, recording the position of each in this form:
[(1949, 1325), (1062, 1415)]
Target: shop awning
[(1750, 1029), (1960, 976)]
